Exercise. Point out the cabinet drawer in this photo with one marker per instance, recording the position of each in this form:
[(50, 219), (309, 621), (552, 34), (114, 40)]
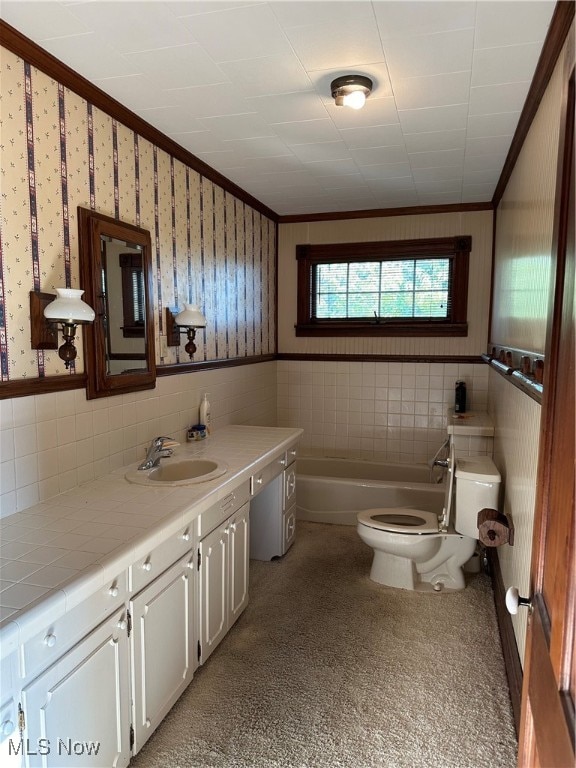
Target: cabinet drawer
[(222, 509), (262, 478), (49, 644), (217, 513), (149, 566), (291, 455)]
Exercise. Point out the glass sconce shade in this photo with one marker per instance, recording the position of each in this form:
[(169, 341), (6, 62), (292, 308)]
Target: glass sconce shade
[(186, 321), (68, 308), (190, 317)]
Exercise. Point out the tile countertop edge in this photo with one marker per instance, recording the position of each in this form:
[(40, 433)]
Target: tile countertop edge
[(26, 622)]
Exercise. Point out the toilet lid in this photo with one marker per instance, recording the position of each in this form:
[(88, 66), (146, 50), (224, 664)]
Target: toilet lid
[(400, 520)]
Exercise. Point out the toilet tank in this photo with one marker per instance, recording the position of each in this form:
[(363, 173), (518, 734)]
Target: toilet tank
[(477, 487)]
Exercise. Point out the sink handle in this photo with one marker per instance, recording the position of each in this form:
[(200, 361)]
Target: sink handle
[(166, 442)]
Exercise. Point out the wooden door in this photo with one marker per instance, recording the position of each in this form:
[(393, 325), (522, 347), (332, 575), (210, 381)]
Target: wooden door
[(548, 696)]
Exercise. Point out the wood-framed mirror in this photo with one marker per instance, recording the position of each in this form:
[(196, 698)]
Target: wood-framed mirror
[(116, 274)]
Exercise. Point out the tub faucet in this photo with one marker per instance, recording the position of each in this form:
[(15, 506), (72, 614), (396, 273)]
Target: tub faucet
[(160, 448), (441, 463)]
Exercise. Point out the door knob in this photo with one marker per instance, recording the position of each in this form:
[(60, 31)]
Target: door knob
[(513, 600)]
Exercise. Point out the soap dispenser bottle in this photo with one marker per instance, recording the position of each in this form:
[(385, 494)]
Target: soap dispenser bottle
[(205, 412), (460, 397)]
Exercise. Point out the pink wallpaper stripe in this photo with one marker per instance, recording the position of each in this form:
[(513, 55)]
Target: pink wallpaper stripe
[(91, 175), (173, 231), (137, 178), (215, 302), (226, 282), (32, 195), (157, 241), (236, 297), (115, 167)]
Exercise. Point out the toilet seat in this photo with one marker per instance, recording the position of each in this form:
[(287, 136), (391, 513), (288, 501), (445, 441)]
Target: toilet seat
[(400, 520)]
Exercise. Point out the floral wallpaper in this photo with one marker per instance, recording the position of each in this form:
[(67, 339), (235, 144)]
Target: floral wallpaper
[(209, 248)]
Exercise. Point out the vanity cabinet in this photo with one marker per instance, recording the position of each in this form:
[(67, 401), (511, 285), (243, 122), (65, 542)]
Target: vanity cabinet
[(224, 571), (163, 645), (273, 511), (77, 712), (87, 686)]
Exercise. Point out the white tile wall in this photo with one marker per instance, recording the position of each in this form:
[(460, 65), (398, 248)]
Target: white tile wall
[(380, 411), (53, 442), (517, 421)]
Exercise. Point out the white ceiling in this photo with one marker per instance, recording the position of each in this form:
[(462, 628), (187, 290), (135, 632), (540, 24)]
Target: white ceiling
[(245, 86)]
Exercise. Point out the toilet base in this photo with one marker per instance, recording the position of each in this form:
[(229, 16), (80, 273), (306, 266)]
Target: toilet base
[(439, 574), (393, 571)]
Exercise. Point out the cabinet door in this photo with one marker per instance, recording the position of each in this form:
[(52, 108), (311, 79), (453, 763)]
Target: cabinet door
[(290, 486), (77, 712), (289, 527), (213, 590), (163, 644), (239, 532)]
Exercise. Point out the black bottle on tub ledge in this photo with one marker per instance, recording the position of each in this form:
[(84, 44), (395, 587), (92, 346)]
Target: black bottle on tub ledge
[(460, 400)]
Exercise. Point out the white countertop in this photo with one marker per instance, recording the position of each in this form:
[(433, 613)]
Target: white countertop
[(54, 554)]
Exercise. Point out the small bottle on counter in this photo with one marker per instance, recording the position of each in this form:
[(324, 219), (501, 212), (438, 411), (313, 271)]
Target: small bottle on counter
[(460, 398), (205, 412), (196, 432)]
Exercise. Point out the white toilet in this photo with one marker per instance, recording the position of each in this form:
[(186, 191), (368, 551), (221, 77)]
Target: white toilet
[(418, 550)]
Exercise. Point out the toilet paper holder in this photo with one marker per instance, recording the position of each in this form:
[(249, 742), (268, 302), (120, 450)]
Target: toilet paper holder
[(495, 528)]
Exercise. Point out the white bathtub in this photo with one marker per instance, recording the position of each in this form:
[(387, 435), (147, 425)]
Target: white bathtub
[(335, 490)]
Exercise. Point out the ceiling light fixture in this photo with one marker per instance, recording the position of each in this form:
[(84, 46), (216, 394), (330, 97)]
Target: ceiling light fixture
[(351, 90)]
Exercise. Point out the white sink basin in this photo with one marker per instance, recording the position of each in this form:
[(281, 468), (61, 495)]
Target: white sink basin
[(179, 471)]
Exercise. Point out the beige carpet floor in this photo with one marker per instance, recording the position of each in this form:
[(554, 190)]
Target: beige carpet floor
[(326, 669)]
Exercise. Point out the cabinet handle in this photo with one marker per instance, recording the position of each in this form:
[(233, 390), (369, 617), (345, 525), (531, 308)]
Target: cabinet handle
[(7, 728), (232, 527), (122, 624), (190, 564), (259, 480), (282, 462), (293, 452), (114, 591), (186, 536), (50, 640), (147, 566)]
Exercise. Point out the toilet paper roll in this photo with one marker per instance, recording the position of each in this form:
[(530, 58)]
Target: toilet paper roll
[(494, 528)]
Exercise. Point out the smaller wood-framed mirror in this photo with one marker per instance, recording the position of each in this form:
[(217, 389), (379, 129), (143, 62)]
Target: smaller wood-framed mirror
[(116, 274)]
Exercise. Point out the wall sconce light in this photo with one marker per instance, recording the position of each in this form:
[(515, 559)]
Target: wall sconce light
[(351, 90), (67, 310), (187, 322)]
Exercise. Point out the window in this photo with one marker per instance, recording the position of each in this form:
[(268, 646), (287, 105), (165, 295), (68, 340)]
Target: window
[(393, 288), (132, 294)]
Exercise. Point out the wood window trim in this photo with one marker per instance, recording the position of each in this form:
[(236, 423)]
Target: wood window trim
[(308, 256)]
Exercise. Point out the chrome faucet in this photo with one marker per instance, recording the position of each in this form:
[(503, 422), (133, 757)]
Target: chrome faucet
[(160, 448), (441, 463)]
